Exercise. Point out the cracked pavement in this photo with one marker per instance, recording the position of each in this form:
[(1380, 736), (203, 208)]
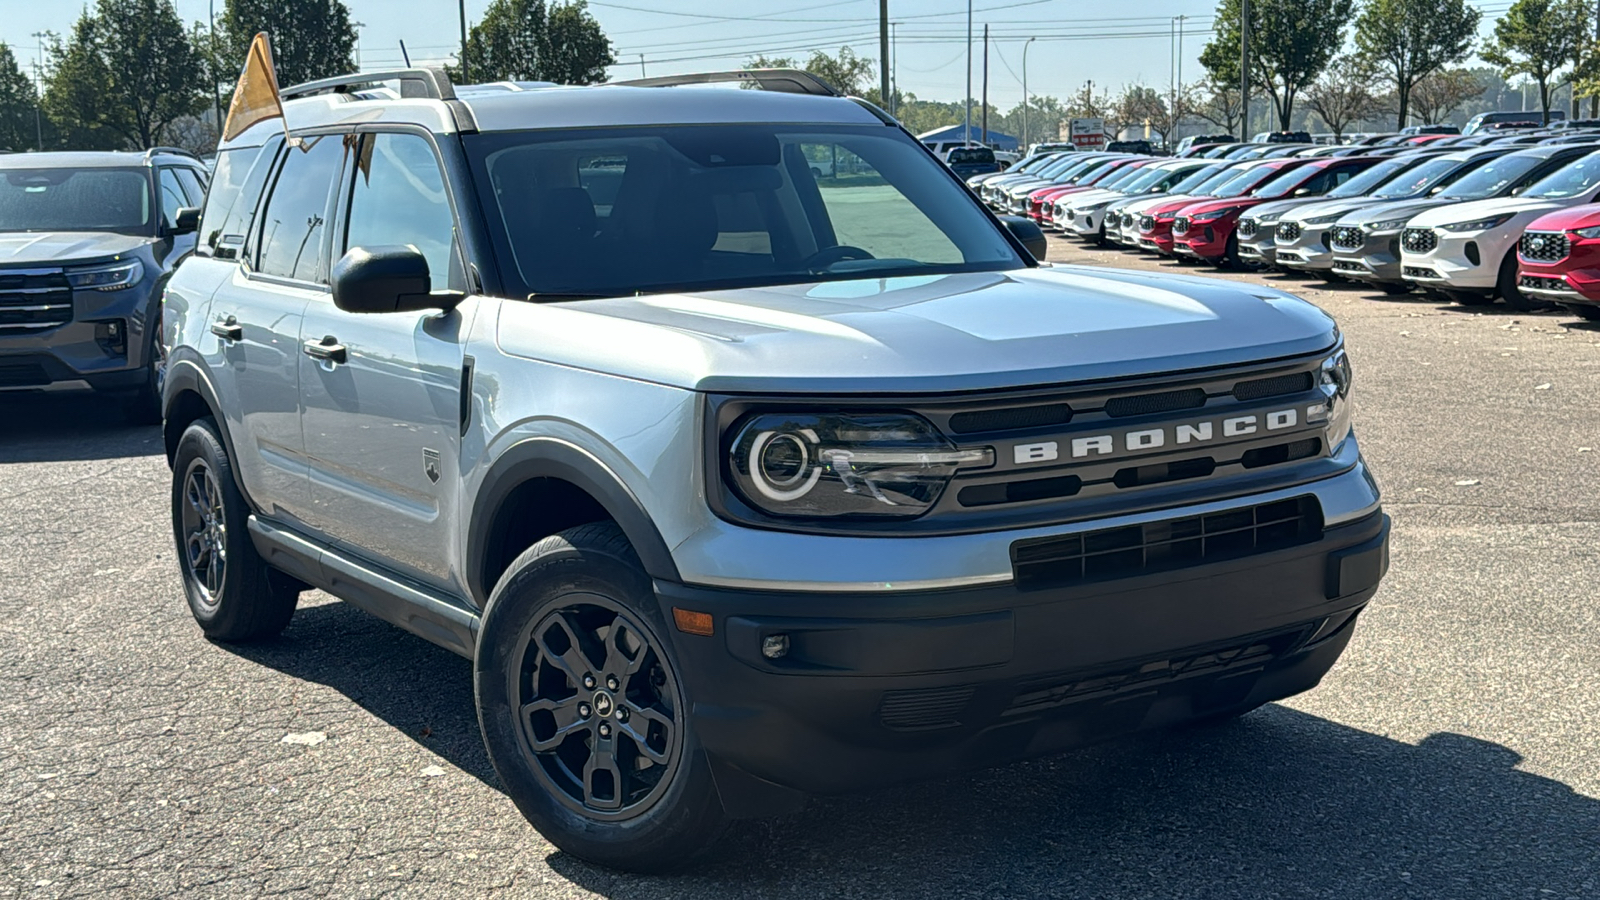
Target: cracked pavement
[(1453, 752)]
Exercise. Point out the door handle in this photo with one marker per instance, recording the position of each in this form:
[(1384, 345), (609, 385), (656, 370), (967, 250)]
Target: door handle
[(228, 329), (328, 349)]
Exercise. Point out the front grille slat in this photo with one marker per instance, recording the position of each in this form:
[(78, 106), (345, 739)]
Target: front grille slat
[(1248, 228), (1288, 232), (1145, 404), (1347, 237), (1544, 246), (1419, 240), (34, 299), (1180, 225)]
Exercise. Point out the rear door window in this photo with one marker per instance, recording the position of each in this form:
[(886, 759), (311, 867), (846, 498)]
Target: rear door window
[(293, 225), (172, 196)]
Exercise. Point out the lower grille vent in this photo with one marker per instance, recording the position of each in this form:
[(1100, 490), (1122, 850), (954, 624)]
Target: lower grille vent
[(1161, 546), (26, 375), (1020, 491), (926, 708), (1145, 404)]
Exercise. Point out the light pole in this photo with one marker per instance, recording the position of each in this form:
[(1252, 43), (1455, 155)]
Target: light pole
[(1025, 92), (642, 72), (211, 61), (966, 137), (38, 100), (465, 78), (358, 26)]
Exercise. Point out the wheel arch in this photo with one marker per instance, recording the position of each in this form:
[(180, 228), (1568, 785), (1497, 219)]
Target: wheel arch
[(187, 397), (539, 470)]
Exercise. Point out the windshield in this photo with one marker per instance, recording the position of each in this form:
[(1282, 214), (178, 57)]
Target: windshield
[(1063, 164), (1038, 162), (1577, 178), (1493, 177), (622, 211), (1372, 177), (1147, 177), (1121, 176), (1245, 181), (1194, 180), (1286, 182), (1419, 180), (62, 199)]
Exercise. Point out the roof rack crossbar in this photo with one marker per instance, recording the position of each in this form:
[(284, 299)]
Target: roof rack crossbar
[(177, 151), (422, 82), (788, 81)]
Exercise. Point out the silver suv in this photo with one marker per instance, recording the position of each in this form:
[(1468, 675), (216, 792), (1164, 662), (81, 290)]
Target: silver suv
[(734, 481)]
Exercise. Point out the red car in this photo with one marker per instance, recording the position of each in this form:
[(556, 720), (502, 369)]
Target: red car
[(1039, 200), (1558, 258), (1155, 223), (1206, 229)]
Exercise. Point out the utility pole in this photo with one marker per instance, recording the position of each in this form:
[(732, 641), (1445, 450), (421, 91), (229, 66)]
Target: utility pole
[(465, 78), (358, 26), (894, 72), (985, 103), (38, 99), (1178, 79), (966, 136), (1244, 68), (642, 72), (211, 62), (1025, 92), (883, 53), (1594, 99)]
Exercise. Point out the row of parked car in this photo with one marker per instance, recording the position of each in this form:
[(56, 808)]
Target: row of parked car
[(1508, 216)]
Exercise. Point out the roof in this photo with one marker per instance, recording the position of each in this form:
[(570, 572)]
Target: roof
[(958, 132), (75, 159)]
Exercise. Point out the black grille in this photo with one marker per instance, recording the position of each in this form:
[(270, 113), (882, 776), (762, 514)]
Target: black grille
[(1544, 246), (1419, 240), (1348, 238), (1127, 220), (1288, 231), (1020, 491), (1545, 283), (23, 375), (1015, 418), (1276, 386), (1162, 546), (1418, 272), (34, 300), (1248, 228), (915, 710), (1147, 223), (1144, 404), (1180, 225)]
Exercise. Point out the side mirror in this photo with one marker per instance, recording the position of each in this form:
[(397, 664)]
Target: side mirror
[(385, 280), (186, 222), (1028, 232), (1302, 192)]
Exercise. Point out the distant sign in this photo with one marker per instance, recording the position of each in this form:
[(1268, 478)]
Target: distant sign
[(1087, 134)]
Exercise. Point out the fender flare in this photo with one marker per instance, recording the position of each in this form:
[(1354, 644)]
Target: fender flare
[(185, 372), (543, 457)]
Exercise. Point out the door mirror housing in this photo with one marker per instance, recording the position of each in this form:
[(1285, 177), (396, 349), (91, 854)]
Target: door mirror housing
[(386, 279), (187, 221), (1028, 233)]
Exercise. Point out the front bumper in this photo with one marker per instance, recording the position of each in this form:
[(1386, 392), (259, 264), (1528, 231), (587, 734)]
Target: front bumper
[(1307, 252), (882, 688), (1204, 240), (103, 347), (1573, 279), (1469, 260), (1378, 258)]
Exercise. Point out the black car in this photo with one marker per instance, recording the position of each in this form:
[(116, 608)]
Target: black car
[(969, 161), (87, 242)]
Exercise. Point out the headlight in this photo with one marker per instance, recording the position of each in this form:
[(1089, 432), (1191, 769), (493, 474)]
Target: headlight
[(845, 464), (108, 278), (1323, 220), (1592, 231), (1334, 381), (1386, 225), (1479, 224), (1213, 215)]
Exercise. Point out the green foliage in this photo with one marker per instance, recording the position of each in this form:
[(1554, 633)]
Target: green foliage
[(125, 74), (1409, 40), (847, 73), (531, 40), (1538, 38), (311, 39), (1291, 43), (18, 105)]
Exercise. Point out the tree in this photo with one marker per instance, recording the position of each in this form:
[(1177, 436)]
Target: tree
[(311, 39), (1538, 38), (1441, 93), (847, 73), (1141, 105), (1291, 42), (1408, 40), (19, 105), (531, 40), (1086, 104), (123, 76), (1219, 104), (1342, 95)]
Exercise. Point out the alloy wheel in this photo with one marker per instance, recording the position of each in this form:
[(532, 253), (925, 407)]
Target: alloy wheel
[(205, 532)]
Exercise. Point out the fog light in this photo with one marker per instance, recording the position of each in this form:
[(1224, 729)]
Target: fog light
[(112, 337), (775, 646)]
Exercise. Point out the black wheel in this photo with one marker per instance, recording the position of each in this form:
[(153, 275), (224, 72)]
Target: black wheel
[(1468, 298), (144, 406), (233, 593), (1506, 287), (582, 709), (1583, 311)]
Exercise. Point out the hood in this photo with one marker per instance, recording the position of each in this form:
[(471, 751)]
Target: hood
[(1215, 203), (1174, 203), (939, 333), (1393, 209), (1483, 209), (1570, 219), (1280, 207), (1095, 195), (1319, 208), (21, 248), (1142, 205)]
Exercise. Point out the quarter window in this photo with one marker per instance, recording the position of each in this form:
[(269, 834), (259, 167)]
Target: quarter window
[(295, 219), (172, 198), (400, 199)]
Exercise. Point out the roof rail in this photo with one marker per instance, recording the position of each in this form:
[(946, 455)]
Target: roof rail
[(788, 81), (176, 151), (424, 82)]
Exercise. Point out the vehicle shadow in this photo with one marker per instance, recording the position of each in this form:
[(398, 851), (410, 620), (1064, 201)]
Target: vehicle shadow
[(1281, 803), (65, 427)]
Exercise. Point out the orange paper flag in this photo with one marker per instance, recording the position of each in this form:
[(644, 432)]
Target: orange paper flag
[(255, 97)]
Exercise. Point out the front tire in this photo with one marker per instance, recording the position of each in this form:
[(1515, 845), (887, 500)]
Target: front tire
[(144, 406), (233, 594), (582, 709), (1506, 287)]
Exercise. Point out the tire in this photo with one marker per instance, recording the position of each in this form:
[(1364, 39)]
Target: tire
[(1393, 289), (233, 594), (548, 647), (1506, 287), (1584, 311), (1467, 298), (144, 406)]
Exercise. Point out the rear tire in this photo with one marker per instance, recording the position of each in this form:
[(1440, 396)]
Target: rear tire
[(583, 710), (1393, 289), (233, 594)]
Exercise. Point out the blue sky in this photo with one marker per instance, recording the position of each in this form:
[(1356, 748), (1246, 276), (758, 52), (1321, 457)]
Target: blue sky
[(1075, 39)]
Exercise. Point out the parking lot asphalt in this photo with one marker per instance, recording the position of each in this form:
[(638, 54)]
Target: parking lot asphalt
[(1453, 753)]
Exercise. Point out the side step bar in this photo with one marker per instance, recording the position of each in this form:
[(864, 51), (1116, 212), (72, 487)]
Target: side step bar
[(423, 612)]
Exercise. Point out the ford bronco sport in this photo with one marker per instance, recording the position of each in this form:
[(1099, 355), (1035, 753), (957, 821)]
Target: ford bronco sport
[(736, 484), (87, 240)]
